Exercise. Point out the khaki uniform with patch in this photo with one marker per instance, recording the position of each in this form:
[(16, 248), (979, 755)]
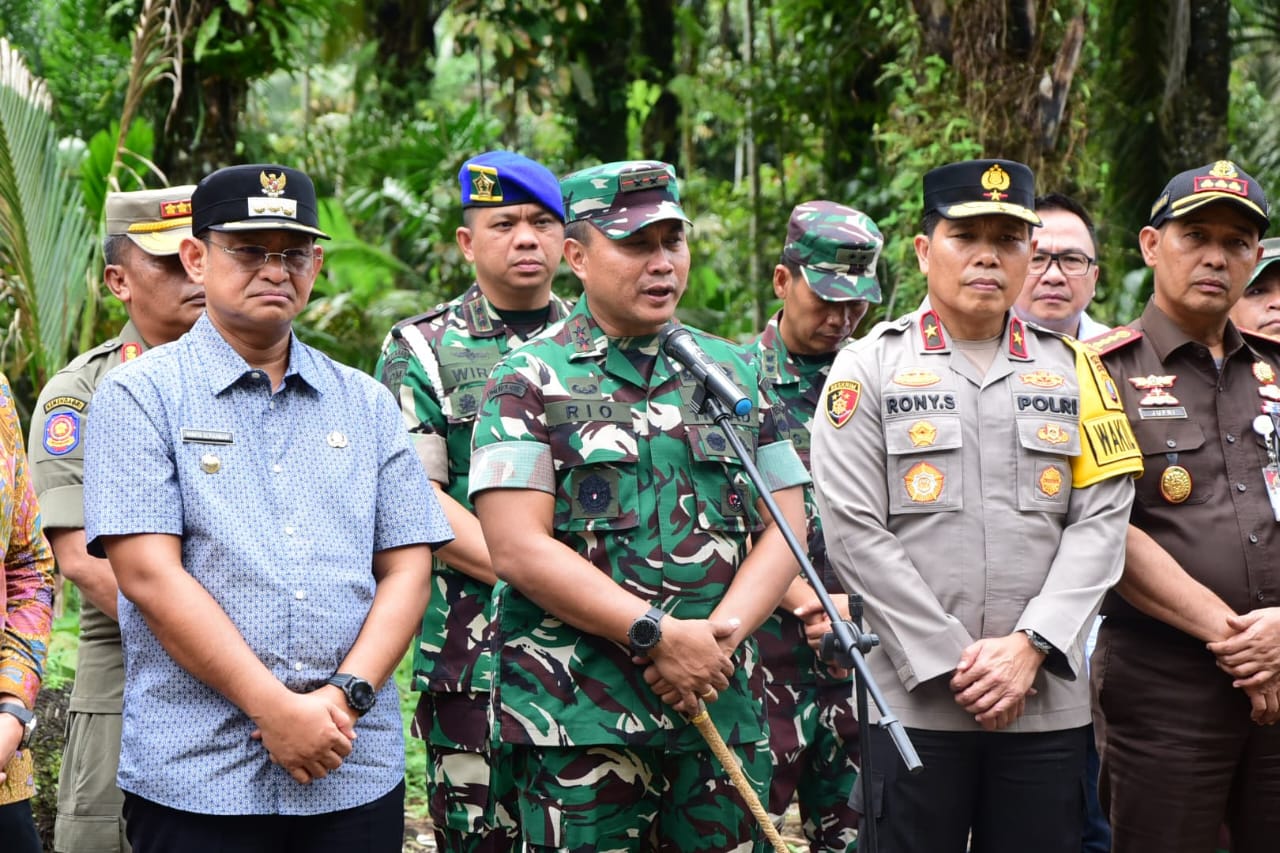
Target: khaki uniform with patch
[(88, 800)]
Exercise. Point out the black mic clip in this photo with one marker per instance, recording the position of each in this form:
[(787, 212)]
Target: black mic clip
[(831, 651)]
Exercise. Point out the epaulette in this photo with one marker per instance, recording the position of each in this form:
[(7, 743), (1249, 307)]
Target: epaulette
[(420, 318), (885, 327), (1109, 342), (1259, 337), (107, 347), (1044, 330)]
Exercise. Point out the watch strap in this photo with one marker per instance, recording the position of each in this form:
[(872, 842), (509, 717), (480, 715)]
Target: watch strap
[(1038, 642), (25, 716)]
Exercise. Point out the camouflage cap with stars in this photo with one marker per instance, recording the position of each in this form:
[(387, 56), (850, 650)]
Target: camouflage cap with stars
[(155, 220), (981, 188), (836, 248), (503, 178), (623, 197), (1219, 181)]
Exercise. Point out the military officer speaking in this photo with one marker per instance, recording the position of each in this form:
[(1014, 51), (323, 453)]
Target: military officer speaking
[(620, 518), (973, 478), (437, 364), (143, 270)]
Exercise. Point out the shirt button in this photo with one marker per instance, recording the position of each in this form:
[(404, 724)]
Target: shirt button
[(289, 530), (1240, 487), (297, 666), (1261, 597), (277, 468), (1231, 439), (255, 375), (271, 404), (1253, 537), (1171, 443), (300, 594)]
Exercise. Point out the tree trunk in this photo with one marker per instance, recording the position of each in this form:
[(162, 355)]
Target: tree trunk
[(597, 51)]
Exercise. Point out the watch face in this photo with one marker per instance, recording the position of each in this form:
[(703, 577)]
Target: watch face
[(644, 633), (362, 695)]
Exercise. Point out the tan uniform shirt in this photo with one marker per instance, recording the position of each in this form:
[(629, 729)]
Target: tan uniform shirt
[(56, 448), (947, 502)]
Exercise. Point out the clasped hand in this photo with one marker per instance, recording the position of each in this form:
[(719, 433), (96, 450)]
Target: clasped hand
[(692, 661), (308, 734), (993, 679), (1251, 656)]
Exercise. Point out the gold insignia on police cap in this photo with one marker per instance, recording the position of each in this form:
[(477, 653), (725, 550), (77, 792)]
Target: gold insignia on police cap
[(1050, 481), (336, 439), (1263, 372), (1042, 379), (1175, 484), (173, 209), (995, 181), (922, 434), (923, 482), (842, 401), (273, 185), (1222, 178), (210, 463), (916, 377), (1053, 433)]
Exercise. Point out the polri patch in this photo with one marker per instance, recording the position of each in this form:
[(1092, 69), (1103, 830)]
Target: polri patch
[(842, 401), (62, 433)]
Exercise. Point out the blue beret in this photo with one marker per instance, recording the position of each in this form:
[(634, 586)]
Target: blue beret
[(502, 178)]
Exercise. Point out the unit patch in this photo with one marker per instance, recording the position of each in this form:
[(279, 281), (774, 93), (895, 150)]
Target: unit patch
[(923, 482), (1050, 482), (62, 433), (842, 401)]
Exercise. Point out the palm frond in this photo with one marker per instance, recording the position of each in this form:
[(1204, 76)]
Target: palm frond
[(44, 231)]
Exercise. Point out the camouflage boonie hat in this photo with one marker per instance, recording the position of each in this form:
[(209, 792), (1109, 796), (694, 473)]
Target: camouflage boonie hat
[(621, 198), (836, 248)]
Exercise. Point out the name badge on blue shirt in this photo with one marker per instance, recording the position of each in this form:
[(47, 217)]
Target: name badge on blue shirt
[(206, 436)]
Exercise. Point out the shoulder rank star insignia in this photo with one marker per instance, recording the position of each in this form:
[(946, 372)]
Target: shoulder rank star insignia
[(1042, 379), (924, 483), (931, 331), (1263, 372), (130, 351), (273, 185), (1156, 388), (842, 401), (1017, 339)]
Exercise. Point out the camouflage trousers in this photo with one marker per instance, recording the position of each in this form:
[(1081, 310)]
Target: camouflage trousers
[(610, 799), (471, 795), (813, 736)]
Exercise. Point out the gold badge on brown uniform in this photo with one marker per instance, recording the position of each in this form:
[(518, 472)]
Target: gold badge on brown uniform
[(1050, 482), (842, 401), (1263, 372), (1175, 484), (1157, 388), (924, 483), (922, 434)]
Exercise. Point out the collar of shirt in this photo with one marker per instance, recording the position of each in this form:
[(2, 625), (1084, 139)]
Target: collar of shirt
[(225, 367), (1166, 337)]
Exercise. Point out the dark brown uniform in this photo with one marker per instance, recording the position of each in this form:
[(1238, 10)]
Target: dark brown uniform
[(1180, 751)]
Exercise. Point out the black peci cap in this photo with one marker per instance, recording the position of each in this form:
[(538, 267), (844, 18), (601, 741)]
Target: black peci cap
[(256, 197)]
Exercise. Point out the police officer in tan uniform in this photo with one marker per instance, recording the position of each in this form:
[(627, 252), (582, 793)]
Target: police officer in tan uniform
[(143, 271), (971, 472)]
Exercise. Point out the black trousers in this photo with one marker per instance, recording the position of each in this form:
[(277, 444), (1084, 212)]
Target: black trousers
[(1014, 792), (18, 829), (376, 827)]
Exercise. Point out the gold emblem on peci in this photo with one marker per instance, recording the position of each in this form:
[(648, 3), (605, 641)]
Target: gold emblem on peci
[(273, 185), (995, 181), (1175, 484)]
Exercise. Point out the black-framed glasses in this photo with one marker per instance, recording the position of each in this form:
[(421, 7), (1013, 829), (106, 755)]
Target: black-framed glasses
[(1071, 263), (254, 258)]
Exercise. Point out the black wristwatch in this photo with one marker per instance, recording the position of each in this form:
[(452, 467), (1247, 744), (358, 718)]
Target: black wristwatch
[(360, 693), (27, 718), (1038, 642), (645, 632)]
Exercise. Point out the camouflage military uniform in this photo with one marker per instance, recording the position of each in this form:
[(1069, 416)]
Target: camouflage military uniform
[(89, 802), (648, 490), (813, 734), (437, 364)]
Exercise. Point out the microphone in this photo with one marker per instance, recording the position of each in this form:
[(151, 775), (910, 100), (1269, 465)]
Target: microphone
[(679, 345)]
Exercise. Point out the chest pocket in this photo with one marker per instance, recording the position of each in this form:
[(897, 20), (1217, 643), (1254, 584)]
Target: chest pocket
[(725, 499), (1161, 440), (1043, 465), (925, 470), (596, 477)]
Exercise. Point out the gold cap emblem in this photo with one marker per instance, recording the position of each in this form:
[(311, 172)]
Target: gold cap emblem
[(995, 181), (273, 185)]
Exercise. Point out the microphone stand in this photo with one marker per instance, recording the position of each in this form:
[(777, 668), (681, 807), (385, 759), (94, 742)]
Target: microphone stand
[(850, 647)]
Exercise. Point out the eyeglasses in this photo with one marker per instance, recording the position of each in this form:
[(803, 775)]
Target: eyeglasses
[(1071, 263), (254, 258)]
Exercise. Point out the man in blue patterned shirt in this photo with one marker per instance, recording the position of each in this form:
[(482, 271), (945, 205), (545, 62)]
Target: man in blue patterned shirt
[(271, 531)]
